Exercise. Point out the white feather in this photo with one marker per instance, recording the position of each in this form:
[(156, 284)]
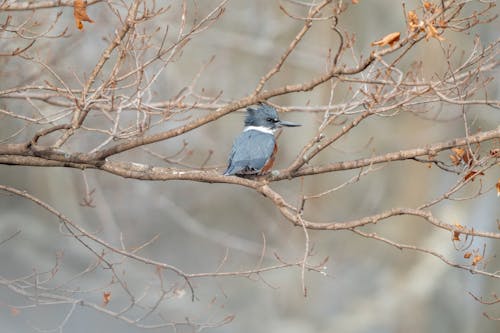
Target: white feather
[(259, 128)]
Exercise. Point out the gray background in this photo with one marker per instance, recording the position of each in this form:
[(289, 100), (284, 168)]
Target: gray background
[(371, 287)]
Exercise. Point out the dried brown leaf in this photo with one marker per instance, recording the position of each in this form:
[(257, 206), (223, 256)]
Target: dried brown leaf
[(432, 33), (80, 13), (390, 39), (458, 151), (106, 297), (472, 174), (477, 259), (413, 21), (430, 7), (454, 159), (459, 155), (456, 232)]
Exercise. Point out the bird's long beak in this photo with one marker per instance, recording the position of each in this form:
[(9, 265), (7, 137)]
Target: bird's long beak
[(288, 124)]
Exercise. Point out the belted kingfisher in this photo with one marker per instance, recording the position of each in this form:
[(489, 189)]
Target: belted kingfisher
[(255, 148)]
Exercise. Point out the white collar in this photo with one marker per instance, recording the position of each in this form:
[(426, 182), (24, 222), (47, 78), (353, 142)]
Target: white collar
[(262, 129)]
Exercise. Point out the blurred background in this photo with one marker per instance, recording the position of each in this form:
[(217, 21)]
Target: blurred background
[(369, 286)]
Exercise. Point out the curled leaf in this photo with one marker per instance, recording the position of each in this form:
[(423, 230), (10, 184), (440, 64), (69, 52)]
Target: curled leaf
[(477, 258), (456, 232), (472, 174), (390, 39), (454, 159), (430, 7), (413, 21), (467, 255), (80, 13), (432, 33), (106, 297), (459, 155), (498, 187), (458, 151)]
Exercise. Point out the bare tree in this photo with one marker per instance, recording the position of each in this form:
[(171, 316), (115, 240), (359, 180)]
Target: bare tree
[(414, 105)]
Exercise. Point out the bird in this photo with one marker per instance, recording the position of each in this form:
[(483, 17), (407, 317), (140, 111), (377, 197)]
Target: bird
[(254, 150)]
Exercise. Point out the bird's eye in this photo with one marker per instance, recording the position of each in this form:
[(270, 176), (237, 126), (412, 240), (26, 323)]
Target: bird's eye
[(272, 120)]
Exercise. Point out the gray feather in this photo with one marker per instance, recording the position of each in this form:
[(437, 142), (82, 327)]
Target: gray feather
[(250, 152)]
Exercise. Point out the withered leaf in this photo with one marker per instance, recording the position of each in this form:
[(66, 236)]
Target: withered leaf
[(456, 232), (460, 154), (454, 159), (80, 13), (429, 6), (106, 297), (390, 39), (498, 187), (458, 151), (432, 33), (477, 258), (472, 174), (467, 255), (413, 21)]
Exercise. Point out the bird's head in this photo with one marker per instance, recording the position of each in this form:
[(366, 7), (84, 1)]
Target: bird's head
[(267, 117)]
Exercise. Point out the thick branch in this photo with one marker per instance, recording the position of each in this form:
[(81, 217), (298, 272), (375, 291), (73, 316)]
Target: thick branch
[(18, 154)]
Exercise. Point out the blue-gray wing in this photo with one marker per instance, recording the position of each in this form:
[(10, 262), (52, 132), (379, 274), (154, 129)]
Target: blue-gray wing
[(251, 150)]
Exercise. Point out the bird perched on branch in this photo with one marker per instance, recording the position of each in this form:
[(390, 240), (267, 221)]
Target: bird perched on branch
[(255, 148)]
